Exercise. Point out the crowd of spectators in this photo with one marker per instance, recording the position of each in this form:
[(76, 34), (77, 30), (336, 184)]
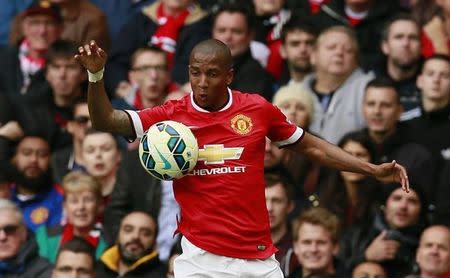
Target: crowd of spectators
[(370, 76)]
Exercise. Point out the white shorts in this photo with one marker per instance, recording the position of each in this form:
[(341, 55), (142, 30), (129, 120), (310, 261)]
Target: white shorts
[(196, 262)]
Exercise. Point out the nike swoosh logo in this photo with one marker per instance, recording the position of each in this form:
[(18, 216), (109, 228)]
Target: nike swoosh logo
[(167, 164)]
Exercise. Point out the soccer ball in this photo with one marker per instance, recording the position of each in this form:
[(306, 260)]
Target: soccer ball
[(168, 150)]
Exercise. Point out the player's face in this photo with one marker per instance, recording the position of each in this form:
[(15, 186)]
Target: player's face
[(434, 81), (65, 77), (81, 208), (137, 236), (369, 270), (150, 74), (403, 43), (433, 254), (381, 109), (297, 50), (232, 30), (296, 112), (278, 206), (335, 54), (358, 150), (402, 209), (12, 234), (314, 248), (73, 265), (209, 79), (32, 157), (268, 7), (101, 157), (40, 31)]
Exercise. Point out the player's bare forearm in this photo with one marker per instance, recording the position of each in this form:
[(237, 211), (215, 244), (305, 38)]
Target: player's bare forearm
[(332, 156), (102, 114)]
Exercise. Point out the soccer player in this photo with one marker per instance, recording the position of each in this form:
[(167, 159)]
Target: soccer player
[(224, 221)]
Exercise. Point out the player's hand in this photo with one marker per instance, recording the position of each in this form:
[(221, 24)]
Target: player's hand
[(91, 56), (381, 249), (392, 172)]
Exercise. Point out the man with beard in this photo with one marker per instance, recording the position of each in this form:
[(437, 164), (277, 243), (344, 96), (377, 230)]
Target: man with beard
[(32, 188), (401, 46), (297, 42), (134, 254)]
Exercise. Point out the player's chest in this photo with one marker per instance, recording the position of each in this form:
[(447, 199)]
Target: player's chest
[(238, 128)]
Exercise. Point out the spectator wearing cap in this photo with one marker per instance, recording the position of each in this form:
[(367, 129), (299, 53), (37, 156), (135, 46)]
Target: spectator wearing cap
[(392, 237), (41, 25)]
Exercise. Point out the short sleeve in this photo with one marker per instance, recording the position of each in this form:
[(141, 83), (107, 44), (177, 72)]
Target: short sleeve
[(143, 119), (281, 131)]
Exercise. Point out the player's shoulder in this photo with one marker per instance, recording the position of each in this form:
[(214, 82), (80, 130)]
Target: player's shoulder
[(248, 97)]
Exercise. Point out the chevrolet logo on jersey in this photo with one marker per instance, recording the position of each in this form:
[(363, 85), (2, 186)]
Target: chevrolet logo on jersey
[(217, 154)]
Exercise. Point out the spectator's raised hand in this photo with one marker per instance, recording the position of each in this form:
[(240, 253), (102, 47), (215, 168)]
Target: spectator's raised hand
[(381, 249), (11, 130), (392, 172), (91, 56)]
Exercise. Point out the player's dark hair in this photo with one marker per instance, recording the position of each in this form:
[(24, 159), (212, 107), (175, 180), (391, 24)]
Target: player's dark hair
[(297, 23)]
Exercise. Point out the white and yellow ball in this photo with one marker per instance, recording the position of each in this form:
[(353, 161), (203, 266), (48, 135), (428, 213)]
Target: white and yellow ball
[(168, 150)]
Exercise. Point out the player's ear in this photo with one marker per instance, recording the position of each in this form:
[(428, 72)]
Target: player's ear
[(230, 76)]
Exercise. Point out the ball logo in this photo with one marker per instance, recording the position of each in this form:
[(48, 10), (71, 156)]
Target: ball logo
[(241, 124), (39, 215)]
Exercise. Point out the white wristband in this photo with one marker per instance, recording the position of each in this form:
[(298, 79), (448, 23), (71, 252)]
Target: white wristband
[(95, 77)]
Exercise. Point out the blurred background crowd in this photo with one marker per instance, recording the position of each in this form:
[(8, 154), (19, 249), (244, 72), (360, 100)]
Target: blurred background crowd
[(372, 76)]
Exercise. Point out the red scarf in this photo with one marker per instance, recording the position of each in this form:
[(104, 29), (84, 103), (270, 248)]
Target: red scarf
[(166, 35), (314, 5), (273, 41), (93, 237), (29, 65)]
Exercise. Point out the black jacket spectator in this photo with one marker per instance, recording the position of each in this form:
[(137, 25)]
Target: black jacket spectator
[(246, 68), (27, 264)]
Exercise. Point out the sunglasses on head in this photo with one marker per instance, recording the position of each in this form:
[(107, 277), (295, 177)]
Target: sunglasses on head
[(82, 119), (9, 229)]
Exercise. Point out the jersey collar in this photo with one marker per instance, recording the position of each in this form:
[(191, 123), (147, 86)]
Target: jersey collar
[(198, 108)]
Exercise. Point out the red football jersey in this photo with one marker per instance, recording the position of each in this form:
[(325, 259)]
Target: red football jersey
[(223, 209)]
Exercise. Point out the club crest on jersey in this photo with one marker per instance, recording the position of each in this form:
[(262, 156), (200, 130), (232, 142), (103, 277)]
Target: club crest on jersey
[(39, 215), (241, 124)]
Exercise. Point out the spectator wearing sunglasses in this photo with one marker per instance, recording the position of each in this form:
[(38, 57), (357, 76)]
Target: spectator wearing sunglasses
[(69, 158), (18, 249)]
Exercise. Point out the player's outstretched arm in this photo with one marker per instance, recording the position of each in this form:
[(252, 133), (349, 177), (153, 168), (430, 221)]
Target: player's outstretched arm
[(333, 156), (102, 114)]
